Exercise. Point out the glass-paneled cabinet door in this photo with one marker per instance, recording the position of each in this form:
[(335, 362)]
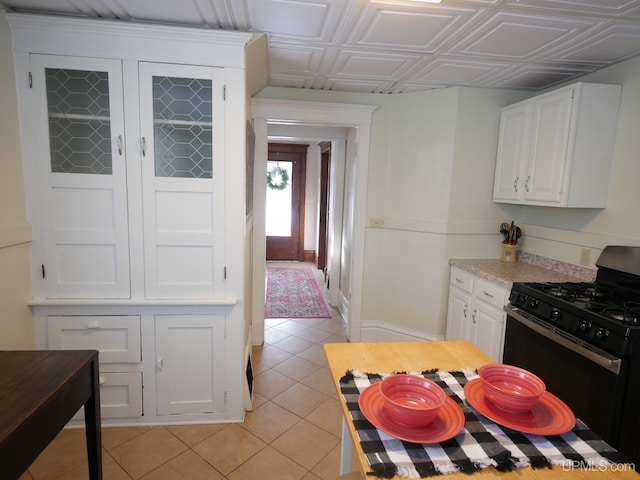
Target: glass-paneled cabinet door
[(182, 147), (81, 176)]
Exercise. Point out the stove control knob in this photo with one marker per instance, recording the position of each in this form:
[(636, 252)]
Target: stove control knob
[(601, 334), (584, 327), (554, 315), (522, 299), (533, 303)]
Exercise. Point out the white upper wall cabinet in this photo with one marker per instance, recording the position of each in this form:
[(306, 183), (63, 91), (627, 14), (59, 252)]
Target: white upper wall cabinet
[(126, 149), (556, 149)]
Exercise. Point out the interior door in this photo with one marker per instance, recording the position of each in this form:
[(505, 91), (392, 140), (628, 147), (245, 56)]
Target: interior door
[(285, 201), (323, 217)]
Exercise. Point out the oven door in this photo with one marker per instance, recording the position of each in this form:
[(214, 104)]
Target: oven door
[(590, 381)]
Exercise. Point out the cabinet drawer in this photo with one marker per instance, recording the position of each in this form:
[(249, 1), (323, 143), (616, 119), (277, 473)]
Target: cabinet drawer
[(490, 293), (120, 395), (117, 338), (462, 279)]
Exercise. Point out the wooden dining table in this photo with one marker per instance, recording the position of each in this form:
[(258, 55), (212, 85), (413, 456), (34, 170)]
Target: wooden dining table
[(390, 357), (40, 391)]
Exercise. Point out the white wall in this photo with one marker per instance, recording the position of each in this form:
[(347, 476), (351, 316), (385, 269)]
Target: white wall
[(417, 142), (16, 321), (430, 181)]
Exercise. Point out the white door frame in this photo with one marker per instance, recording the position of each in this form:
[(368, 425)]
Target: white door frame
[(293, 112)]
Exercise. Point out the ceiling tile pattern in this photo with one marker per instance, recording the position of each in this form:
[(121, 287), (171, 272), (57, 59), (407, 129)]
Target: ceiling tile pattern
[(393, 46)]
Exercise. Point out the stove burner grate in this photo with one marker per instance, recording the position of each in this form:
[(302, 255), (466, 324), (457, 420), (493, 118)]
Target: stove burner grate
[(570, 292), (627, 312)]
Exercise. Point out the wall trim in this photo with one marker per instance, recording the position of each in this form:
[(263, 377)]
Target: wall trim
[(586, 239), (432, 226), (310, 256), (15, 235), (388, 332)]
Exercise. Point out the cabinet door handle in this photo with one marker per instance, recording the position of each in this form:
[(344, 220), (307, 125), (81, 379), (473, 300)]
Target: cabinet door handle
[(119, 145), (487, 294), (464, 311), (143, 146), (93, 324), (102, 380), (526, 183), (515, 184), (160, 363), (458, 280), (473, 315)]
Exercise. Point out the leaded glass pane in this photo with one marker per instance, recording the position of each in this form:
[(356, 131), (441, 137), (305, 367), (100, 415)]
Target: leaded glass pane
[(79, 121), (182, 115)]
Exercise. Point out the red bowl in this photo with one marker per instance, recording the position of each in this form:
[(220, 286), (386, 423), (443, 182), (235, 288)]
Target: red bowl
[(511, 388), (412, 399)]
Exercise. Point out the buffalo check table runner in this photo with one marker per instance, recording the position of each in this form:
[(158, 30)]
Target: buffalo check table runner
[(480, 444)]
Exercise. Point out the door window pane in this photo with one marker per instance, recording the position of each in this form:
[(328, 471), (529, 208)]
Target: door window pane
[(79, 121), (278, 210), (182, 117)]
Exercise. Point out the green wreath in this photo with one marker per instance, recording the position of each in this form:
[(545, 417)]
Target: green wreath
[(277, 171)]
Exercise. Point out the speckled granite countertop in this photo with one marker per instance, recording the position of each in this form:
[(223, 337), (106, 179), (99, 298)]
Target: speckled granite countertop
[(528, 268)]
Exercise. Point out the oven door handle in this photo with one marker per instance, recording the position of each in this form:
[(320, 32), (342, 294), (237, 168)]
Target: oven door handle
[(602, 358)]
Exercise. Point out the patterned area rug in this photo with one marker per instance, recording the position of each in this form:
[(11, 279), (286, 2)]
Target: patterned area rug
[(294, 293)]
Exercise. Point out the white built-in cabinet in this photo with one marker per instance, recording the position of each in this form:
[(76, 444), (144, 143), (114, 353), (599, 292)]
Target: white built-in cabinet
[(163, 368), (475, 312), (135, 155), (556, 149), (178, 130)]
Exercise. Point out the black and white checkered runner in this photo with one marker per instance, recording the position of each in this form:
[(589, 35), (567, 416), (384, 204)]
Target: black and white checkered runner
[(480, 444)]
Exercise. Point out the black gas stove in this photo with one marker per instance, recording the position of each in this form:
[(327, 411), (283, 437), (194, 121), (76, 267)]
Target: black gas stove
[(583, 340), (595, 314)]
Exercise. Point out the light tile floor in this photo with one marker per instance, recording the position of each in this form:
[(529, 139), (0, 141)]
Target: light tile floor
[(293, 433)]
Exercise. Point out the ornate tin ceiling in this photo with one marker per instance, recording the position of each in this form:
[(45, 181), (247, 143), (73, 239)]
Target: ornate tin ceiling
[(392, 46)]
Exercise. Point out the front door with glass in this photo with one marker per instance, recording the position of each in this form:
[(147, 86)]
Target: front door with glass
[(285, 201)]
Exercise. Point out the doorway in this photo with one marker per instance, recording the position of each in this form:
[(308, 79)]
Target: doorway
[(285, 201), (273, 119)]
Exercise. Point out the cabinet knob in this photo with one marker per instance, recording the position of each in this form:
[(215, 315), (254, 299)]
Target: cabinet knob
[(102, 380)]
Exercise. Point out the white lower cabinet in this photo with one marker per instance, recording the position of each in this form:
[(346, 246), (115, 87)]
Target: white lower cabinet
[(189, 357), (117, 338), (475, 312), (154, 368)]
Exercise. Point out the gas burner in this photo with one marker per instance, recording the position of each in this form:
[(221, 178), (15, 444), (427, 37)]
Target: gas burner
[(626, 313), (624, 316), (570, 292)]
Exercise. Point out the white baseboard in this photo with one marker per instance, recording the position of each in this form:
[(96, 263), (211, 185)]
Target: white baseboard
[(388, 332)]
